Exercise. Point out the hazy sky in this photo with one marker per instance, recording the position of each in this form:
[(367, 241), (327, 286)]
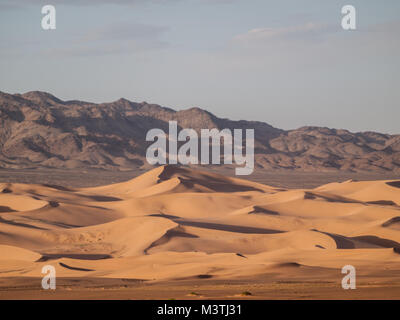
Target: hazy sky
[(285, 62)]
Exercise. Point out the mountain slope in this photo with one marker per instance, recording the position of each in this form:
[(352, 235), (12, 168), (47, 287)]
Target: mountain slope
[(40, 130)]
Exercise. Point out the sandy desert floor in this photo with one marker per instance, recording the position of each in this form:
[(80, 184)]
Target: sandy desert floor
[(179, 233)]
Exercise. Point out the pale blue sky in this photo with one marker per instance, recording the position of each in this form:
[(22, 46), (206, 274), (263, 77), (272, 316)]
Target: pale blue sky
[(285, 62)]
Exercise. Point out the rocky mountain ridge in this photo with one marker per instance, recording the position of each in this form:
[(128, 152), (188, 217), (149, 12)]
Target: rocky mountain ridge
[(38, 129)]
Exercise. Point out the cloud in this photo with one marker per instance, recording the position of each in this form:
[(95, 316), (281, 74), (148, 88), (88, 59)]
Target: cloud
[(122, 38), (306, 31), (7, 6), (10, 4), (124, 31)]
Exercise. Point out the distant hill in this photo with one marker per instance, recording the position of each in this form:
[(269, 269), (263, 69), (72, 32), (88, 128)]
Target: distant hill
[(40, 130)]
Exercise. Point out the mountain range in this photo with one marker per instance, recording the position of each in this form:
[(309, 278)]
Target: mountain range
[(38, 129)]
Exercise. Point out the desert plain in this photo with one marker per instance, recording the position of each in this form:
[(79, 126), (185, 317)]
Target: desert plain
[(183, 233)]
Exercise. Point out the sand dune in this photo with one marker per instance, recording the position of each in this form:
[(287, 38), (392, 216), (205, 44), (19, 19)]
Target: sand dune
[(179, 223)]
